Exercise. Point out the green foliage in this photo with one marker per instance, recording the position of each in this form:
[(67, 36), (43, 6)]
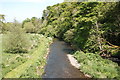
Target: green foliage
[(11, 61), (96, 66), (84, 24), (69, 35), (48, 31), (1, 27), (35, 70), (16, 41), (31, 25), (24, 65), (4, 27), (2, 17), (0, 56)]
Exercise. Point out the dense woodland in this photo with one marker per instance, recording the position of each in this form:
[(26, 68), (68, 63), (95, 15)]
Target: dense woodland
[(93, 28), (90, 27)]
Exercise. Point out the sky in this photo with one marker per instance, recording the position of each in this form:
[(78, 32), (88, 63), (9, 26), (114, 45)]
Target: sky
[(22, 9)]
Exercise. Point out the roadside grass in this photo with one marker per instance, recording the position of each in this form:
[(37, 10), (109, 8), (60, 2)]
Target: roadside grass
[(16, 65)]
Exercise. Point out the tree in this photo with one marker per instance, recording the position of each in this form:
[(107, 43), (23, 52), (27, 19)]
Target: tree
[(16, 41), (2, 25), (32, 25), (29, 27), (91, 22), (2, 17)]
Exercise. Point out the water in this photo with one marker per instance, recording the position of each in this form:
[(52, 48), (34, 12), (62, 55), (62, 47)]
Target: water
[(58, 65)]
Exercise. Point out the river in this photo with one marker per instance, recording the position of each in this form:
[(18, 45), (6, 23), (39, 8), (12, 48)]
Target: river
[(58, 65)]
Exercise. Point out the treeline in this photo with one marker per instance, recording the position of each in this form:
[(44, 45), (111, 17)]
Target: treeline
[(32, 25), (90, 26), (28, 25), (23, 49), (14, 34)]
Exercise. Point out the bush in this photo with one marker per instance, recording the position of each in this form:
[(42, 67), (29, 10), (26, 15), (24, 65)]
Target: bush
[(96, 66), (16, 41), (29, 27), (69, 35), (31, 67)]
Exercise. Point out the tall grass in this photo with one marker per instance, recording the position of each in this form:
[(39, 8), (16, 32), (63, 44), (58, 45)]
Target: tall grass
[(96, 66), (16, 41), (0, 56), (37, 56)]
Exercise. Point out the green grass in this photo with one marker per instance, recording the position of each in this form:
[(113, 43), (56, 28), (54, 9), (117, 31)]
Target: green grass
[(96, 66), (0, 55), (36, 69), (11, 61), (21, 64)]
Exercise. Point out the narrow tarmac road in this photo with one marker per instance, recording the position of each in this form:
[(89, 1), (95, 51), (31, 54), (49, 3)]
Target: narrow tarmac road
[(58, 65)]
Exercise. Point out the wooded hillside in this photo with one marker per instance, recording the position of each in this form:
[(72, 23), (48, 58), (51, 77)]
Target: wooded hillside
[(90, 26)]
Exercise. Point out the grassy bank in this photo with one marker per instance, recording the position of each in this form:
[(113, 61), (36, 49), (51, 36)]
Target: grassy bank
[(97, 67), (0, 56), (26, 64)]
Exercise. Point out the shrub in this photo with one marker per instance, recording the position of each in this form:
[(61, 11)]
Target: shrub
[(69, 35), (16, 41), (29, 67), (96, 66), (29, 27)]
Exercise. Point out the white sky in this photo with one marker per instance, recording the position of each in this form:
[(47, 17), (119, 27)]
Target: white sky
[(22, 9)]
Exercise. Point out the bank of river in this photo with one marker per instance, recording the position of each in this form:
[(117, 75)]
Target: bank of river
[(58, 64)]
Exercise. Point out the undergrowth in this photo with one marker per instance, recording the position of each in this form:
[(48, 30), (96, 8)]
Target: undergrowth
[(24, 64), (97, 67)]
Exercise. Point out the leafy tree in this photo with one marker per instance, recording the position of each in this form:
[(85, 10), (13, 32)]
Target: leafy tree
[(93, 24), (69, 35), (2, 25), (16, 41), (32, 25), (2, 17), (29, 27)]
